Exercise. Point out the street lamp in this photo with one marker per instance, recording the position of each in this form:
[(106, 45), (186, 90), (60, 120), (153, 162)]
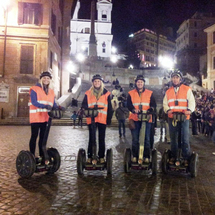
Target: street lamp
[(80, 58), (71, 67), (113, 60), (166, 62), (4, 5)]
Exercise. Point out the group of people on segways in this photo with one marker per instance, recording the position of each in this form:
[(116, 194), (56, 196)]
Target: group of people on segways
[(42, 108), (179, 103)]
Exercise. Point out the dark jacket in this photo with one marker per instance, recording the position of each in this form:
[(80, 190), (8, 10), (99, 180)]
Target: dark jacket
[(121, 113)]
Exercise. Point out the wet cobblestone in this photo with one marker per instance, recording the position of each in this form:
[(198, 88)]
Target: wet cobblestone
[(96, 193)]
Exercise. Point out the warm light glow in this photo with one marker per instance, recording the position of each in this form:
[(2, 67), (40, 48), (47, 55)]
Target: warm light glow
[(166, 62), (113, 58), (80, 57), (4, 3)]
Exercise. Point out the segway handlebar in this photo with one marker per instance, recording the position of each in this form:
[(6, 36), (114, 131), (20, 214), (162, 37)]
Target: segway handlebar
[(56, 113), (146, 115), (92, 112), (179, 116)]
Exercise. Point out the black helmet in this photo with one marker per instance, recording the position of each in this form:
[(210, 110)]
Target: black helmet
[(139, 77), (97, 76), (177, 73), (46, 73)]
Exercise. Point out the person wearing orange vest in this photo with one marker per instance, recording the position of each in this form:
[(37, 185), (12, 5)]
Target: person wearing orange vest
[(98, 95), (140, 99), (42, 100), (179, 98)]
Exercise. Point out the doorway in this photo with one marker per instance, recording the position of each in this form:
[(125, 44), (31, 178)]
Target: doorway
[(23, 99)]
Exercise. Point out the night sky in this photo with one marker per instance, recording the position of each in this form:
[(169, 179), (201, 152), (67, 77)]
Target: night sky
[(129, 16)]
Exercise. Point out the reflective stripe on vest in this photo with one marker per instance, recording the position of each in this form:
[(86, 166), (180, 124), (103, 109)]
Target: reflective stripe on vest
[(101, 102), (37, 115), (42, 102), (137, 100), (180, 96)]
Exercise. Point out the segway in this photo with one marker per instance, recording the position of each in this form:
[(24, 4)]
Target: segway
[(144, 117), (95, 164), (179, 163), (27, 164)]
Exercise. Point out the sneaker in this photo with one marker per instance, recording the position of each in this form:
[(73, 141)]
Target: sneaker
[(186, 163), (89, 160), (172, 161), (140, 161), (102, 160), (47, 162), (146, 160), (134, 160), (120, 136)]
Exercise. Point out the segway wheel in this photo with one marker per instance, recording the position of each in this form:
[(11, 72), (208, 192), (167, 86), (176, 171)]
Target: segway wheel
[(154, 161), (54, 157), (109, 161), (127, 160), (164, 162), (193, 165), (25, 164), (81, 161)]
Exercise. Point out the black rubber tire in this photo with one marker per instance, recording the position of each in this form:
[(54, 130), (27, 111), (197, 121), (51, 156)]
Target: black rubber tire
[(55, 160), (25, 164), (193, 165), (109, 161), (154, 162), (81, 159), (164, 162), (127, 160)]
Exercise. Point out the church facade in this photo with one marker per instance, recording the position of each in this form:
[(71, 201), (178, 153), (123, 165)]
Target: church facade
[(80, 30)]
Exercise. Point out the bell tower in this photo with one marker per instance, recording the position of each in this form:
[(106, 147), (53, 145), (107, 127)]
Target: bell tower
[(104, 8)]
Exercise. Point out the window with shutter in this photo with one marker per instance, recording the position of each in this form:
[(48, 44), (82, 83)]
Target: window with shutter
[(29, 13), (53, 23), (27, 59)]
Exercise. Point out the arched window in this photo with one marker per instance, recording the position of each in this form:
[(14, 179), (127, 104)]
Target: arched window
[(104, 15)]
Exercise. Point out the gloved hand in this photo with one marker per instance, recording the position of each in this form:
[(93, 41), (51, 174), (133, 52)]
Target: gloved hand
[(61, 108), (108, 122), (48, 107), (150, 110)]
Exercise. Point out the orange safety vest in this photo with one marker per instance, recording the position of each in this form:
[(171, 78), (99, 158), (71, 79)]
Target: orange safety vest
[(181, 97), (38, 115), (137, 100), (101, 102)]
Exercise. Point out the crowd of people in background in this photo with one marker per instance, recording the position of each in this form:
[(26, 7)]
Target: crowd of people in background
[(203, 118)]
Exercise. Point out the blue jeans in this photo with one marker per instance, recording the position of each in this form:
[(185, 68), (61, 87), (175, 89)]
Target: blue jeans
[(182, 129), (135, 139), (121, 124)]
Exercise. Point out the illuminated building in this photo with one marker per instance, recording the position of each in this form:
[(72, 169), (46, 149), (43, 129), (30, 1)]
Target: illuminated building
[(191, 42), (150, 46), (30, 42), (81, 29)]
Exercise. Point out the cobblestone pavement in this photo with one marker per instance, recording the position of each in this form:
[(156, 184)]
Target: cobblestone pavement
[(95, 193)]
